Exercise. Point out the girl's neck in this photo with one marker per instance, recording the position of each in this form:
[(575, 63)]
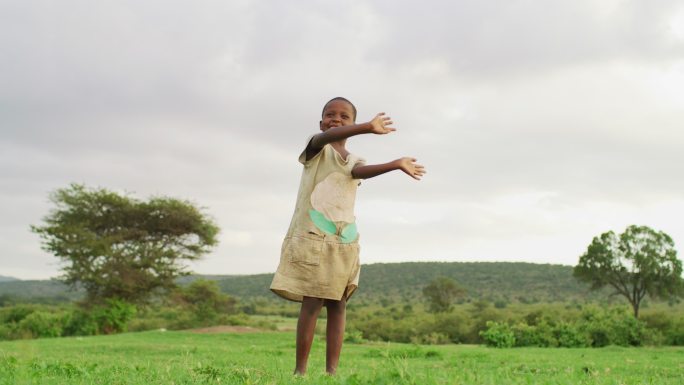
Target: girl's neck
[(340, 149), (340, 144)]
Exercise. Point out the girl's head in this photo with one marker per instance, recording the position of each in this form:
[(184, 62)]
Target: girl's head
[(338, 112)]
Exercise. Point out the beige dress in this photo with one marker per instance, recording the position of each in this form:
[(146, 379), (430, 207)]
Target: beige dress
[(320, 254)]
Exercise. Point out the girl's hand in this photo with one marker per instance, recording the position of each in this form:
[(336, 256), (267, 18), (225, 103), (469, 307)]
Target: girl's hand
[(409, 166), (381, 124)]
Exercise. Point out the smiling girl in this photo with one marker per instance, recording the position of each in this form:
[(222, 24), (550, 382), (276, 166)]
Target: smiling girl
[(319, 261)]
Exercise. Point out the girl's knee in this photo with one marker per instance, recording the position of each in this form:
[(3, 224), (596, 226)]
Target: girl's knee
[(335, 305), (311, 304)]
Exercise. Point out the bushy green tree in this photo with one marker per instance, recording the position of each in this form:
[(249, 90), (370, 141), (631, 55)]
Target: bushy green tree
[(117, 247), (441, 294), (205, 300), (639, 262), (42, 324), (612, 326), (498, 335)]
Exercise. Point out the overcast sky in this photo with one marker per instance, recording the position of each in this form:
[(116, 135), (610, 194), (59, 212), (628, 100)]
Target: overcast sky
[(541, 123)]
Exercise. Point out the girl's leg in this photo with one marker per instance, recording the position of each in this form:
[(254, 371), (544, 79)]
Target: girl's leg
[(306, 326), (334, 333)]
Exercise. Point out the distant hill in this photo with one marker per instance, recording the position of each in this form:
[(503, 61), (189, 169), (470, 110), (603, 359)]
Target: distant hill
[(38, 291), (7, 279), (507, 281)]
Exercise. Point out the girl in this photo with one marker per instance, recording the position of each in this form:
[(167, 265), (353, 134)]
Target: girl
[(319, 260)]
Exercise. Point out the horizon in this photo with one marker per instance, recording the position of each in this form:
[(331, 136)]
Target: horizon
[(195, 273)]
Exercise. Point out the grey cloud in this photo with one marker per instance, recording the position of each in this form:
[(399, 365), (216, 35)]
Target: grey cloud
[(493, 40), (577, 102)]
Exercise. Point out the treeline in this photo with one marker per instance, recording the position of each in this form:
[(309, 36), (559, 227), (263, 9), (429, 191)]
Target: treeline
[(504, 304), (200, 303), (197, 304), (542, 325)]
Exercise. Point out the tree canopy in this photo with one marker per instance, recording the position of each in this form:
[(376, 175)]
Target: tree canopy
[(441, 294), (639, 262), (118, 247)]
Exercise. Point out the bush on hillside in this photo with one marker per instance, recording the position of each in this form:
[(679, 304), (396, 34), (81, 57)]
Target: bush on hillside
[(42, 324), (15, 314), (498, 335), (675, 335), (113, 317), (540, 334), (612, 326), (569, 335), (205, 301), (80, 323)]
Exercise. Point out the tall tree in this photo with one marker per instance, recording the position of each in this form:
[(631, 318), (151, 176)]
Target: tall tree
[(117, 247), (441, 294), (638, 262)]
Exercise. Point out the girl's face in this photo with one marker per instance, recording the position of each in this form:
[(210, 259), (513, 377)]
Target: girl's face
[(337, 113)]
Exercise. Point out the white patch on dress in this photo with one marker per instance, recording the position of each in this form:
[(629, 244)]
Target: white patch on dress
[(334, 197)]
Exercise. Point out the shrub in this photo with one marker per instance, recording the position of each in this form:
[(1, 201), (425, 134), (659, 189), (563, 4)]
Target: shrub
[(482, 313), (675, 335), (16, 313), (455, 326), (498, 335), (206, 302), (236, 320), (353, 336), (433, 338), (7, 331), (614, 326), (114, 316), (570, 336), (42, 324), (80, 323), (540, 334)]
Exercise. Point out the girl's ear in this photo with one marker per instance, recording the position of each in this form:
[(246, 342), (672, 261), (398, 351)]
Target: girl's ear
[(320, 125)]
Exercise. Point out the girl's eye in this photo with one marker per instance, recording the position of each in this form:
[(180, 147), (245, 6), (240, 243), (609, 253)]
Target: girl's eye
[(345, 117)]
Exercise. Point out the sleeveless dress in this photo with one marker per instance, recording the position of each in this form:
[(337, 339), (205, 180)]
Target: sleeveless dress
[(319, 256)]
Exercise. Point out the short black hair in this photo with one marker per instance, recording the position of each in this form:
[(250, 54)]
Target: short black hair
[(342, 99)]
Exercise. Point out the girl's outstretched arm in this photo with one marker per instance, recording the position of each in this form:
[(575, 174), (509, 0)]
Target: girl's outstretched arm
[(380, 125), (408, 165)]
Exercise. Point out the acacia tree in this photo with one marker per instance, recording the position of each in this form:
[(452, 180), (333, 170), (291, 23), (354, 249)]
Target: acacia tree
[(441, 294), (638, 262), (117, 247)]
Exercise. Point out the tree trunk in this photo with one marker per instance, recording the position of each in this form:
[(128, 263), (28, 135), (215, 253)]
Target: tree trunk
[(635, 306)]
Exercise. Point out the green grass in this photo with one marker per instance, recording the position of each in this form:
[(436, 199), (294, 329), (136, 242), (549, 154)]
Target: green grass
[(268, 358)]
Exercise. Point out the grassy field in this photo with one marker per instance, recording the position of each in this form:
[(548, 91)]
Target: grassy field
[(268, 358)]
